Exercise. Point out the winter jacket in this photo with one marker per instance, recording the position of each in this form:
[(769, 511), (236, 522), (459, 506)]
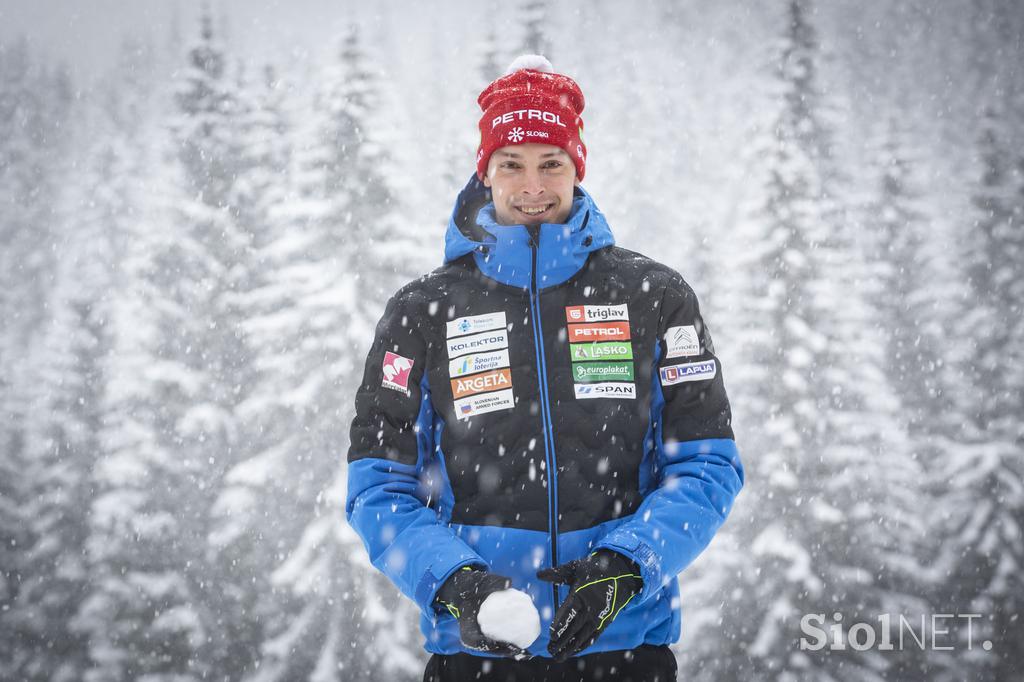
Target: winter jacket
[(542, 394)]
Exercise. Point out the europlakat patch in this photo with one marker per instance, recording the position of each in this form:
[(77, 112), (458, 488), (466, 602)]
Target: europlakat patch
[(602, 371)]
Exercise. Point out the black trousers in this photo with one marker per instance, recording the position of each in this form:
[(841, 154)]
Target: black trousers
[(643, 664)]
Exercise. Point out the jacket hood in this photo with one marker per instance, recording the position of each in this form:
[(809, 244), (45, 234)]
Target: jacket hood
[(503, 253)]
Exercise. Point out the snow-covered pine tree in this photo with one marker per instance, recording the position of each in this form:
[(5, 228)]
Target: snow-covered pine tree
[(158, 606), (67, 412), (35, 105), (344, 252), (814, 400), (985, 526), (64, 428), (912, 290)]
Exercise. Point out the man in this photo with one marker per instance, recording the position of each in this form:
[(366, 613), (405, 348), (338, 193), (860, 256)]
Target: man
[(544, 412)]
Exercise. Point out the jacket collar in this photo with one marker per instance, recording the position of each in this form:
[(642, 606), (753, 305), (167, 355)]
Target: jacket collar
[(503, 253)]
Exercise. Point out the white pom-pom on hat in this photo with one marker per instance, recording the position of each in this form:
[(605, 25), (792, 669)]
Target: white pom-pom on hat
[(536, 62)]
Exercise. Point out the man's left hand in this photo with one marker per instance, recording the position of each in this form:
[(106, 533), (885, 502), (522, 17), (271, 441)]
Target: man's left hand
[(600, 586)]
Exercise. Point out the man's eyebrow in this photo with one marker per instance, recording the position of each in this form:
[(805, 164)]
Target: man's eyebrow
[(557, 152)]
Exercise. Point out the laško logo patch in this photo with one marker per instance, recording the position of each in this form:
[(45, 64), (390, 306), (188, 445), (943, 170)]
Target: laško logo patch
[(396, 370)]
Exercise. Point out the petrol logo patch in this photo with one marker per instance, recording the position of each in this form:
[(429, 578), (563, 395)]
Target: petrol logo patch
[(396, 370), (692, 371), (599, 331), (682, 341), (476, 323), (484, 403), (607, 390), (602, 371)]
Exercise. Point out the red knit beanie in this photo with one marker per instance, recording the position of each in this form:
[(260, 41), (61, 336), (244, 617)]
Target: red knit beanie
[(531, 103)]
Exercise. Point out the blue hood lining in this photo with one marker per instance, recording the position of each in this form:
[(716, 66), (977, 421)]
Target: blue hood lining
[(502, 252)]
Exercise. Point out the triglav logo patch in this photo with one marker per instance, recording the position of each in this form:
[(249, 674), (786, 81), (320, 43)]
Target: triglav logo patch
[(596, 313)]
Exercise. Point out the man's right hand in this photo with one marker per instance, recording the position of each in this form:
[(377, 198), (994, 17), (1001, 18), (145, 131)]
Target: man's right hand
[(461, 595)]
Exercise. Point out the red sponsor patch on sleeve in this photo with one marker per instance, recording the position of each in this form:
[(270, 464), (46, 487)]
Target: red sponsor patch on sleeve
[(397, 369)]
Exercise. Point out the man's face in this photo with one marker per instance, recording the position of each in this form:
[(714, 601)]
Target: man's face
[(531, 184)]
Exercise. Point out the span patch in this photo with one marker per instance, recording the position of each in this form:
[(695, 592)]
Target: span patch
[(682, 341), (691, 371), (396, 369), (605, 390)]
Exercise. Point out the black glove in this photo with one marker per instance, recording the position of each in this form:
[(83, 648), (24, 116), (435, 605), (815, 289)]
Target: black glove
[(600, 586), (462, 594)]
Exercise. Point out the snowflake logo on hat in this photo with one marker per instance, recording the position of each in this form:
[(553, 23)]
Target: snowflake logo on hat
[(515, 135)]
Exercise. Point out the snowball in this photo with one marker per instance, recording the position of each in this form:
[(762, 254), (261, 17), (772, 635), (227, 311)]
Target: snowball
[(530, 61), (510, 616)]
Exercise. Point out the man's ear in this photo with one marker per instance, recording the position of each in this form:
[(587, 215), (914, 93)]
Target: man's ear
[(487, 181), (576, 181)]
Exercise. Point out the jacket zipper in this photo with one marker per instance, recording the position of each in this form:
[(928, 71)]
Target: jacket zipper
[(549, 444)]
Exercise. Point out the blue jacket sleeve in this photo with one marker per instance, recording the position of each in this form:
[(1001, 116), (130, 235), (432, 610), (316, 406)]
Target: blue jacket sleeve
[(392, 501), (697, 468)]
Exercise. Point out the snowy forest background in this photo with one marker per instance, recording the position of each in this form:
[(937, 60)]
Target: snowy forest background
[(196, 241)]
